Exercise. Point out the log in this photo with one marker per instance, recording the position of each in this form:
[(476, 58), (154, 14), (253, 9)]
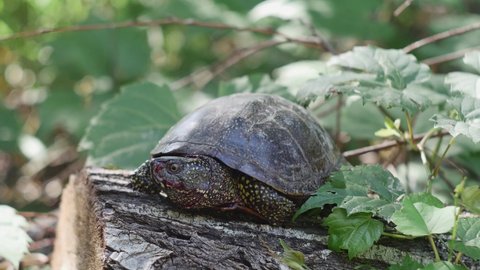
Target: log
[(104, 224)]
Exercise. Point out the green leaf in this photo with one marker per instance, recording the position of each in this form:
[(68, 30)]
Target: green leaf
[(294, 74), (129, 126), (122, 54), (15, 240), (10, 129), (469, 234), (392, 124), (367, 188), (351, 19), (327, 194), (464, 82), (421, 219), (374, 186), (385, 133), (355, 233), (424, 197), (329, 84), (413, 98), (463, 119), (359, 121), (443, 265), (407, 264), (473, 59), (292, 258), (378, 207), (65, 110), (395, 66), (390, 78), (392, 129), (257, 83), (470, 197)]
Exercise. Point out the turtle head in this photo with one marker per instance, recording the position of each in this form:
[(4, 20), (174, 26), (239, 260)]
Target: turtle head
[(181, 173), (165, 173), (143, 181), (192, 181)]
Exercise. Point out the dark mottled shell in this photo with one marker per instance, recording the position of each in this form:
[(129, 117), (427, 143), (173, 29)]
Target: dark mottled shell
[(264, 136)]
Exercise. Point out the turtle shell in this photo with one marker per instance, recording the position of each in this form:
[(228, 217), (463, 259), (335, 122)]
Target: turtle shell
[(264, 136)]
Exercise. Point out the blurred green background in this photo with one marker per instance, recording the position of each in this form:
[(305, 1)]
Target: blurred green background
[(53, 84)]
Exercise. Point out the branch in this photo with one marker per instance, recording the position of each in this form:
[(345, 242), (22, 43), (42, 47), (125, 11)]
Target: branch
[(207, 74), (307, 41), (338, 110), (443, 35), (387, 144), (127, 24), (314, 32), (448, 57), (402, 7)]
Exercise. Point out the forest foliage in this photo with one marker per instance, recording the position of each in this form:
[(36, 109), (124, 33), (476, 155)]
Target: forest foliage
[(112, 76)]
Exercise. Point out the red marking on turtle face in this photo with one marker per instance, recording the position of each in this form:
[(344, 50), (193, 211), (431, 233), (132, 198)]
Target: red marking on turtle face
[(161, 174), (173, 184), (158, 167)]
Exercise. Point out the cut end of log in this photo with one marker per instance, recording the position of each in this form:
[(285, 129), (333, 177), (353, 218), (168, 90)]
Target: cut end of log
[(79, 236)]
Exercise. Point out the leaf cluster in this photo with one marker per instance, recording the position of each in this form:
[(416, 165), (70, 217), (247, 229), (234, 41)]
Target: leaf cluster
[(54, 84), (135, 113), (369, 201), (463, 116), (388, 78), (365, 196)]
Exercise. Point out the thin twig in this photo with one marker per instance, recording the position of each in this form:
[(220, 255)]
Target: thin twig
[(442, 157), (427, 163), (444, 178), (443, 35), (449, 56), (315, 33), (462, 170), (307, 41), (329, 110), (338, 110), (128, 24), (434, 247), (386, 145), (402, 7), (410, 129), (205, 75), (440, 173)]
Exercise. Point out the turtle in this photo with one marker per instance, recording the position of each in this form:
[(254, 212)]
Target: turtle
[(258, 153)]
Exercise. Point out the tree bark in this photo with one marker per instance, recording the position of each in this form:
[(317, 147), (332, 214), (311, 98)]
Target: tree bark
[(104, 224)]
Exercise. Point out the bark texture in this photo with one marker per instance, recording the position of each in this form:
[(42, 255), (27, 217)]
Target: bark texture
[(104, 224)]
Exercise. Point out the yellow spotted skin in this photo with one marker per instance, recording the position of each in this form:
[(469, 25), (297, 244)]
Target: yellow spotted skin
[(142, 180), (204, 182), (263, 199)]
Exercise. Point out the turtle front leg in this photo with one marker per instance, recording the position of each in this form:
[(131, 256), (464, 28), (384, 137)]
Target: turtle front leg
[(142, 180), (246, 210), (267, 202)]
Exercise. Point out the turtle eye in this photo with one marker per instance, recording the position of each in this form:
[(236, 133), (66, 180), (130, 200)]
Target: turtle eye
[(174, 167)]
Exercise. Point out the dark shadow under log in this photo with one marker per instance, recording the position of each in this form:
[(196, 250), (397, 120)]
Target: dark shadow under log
[(104, 224)]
